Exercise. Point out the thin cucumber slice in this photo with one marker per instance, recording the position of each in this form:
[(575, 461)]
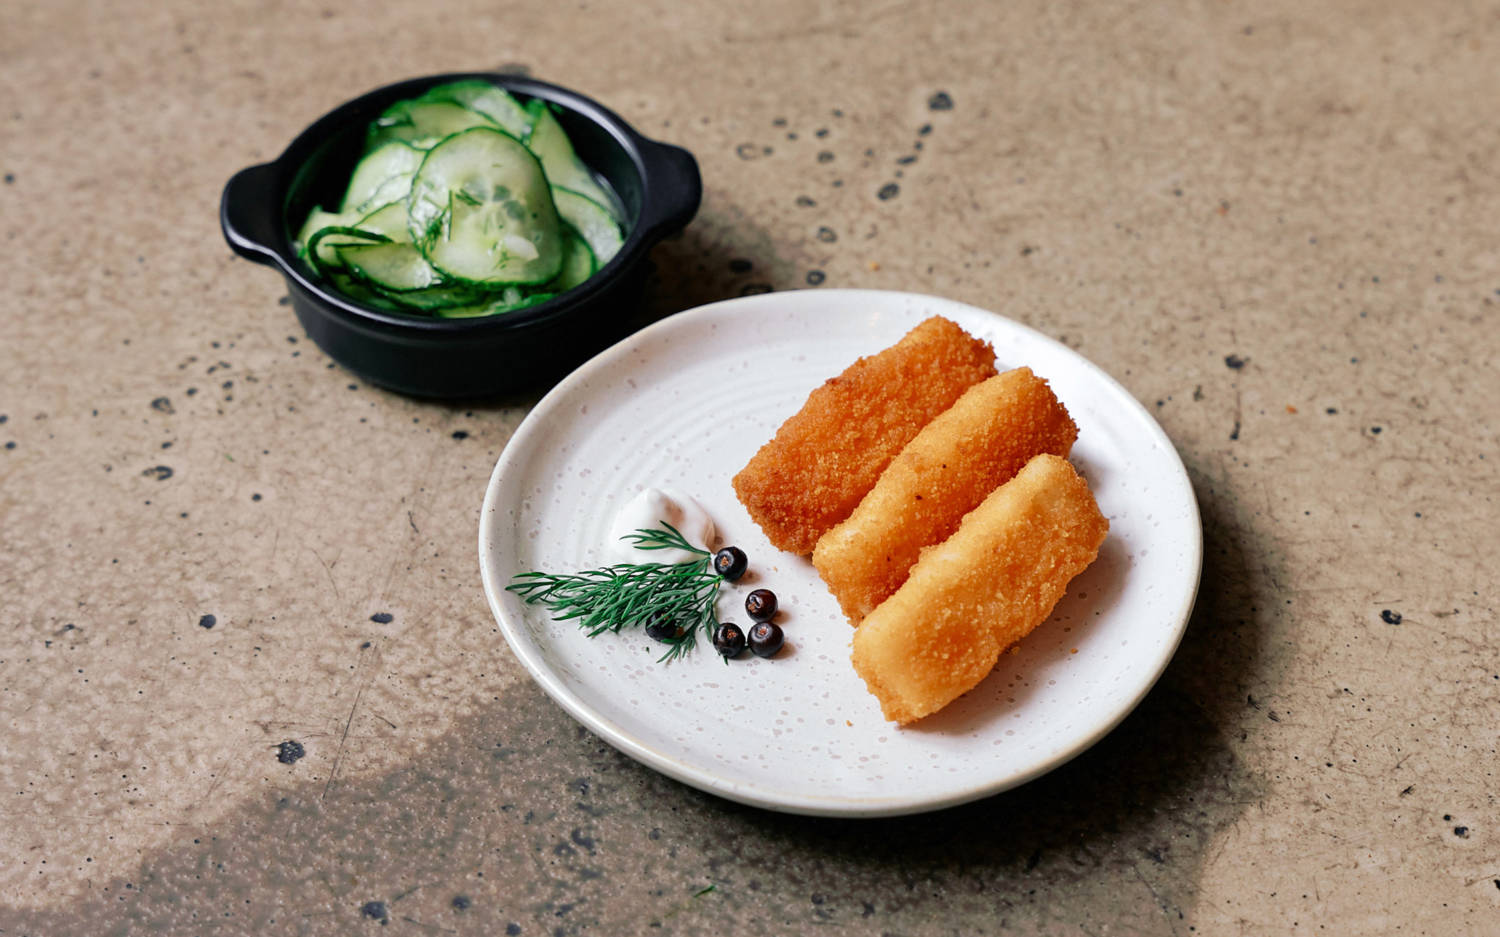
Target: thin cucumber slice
[(487, 99), (377, 177), (393, 189), (435, 298), (481, 212), (322, 247), (391, 266), (317, 220), (564, 169), (578, 262), (590, 219), (503, 304), (389, 221), (359, 292), (423, 124)]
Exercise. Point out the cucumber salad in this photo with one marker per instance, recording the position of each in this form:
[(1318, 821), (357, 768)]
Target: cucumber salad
[(465, 203)]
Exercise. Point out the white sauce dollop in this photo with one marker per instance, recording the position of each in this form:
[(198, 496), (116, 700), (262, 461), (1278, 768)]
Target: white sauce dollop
[(647, 510)]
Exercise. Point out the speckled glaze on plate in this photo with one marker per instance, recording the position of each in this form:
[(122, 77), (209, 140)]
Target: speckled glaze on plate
[(684, 404)]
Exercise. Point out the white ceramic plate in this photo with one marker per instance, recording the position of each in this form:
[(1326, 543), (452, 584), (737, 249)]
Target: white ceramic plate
[(684, 404)]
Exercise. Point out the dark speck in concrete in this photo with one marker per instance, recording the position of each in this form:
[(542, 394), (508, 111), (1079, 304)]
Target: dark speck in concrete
[(10, 177), (255, 497), (1234, 362), (162, 405), (825, 156), (382, 618), (827, 235), (376, 911), (888, 191), (207, 621), (804, 201), (289, 752), (940, 102), (1375, 430), (461, 902), (1462, 832), (284, 301), (924, 130), (512, 929), (906, 160), (159, 472), (460, 434), (815, 277), (1390, 617)]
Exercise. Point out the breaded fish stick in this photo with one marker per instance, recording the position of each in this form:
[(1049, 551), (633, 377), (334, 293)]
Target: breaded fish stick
[(965, 453), (982, 589), (826, 456)]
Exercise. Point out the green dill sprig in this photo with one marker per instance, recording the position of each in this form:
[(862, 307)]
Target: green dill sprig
[(628, 595), (665, 538)]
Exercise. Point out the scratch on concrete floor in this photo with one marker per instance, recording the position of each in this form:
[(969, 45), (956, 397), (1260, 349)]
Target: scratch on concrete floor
[(338, 758)]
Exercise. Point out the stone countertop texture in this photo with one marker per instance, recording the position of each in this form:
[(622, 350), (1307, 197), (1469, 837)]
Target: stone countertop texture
[(1275, 224)]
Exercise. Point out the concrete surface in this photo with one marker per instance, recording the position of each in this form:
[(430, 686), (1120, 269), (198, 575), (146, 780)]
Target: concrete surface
[(1274, 223)]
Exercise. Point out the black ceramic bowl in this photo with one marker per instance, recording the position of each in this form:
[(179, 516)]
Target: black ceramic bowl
[(263, 207)]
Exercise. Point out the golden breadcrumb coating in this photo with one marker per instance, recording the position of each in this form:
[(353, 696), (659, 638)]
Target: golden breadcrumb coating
[(982, 589), (828, 455), (965, 453)]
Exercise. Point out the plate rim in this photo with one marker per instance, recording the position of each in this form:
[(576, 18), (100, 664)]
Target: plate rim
[(831, 805)]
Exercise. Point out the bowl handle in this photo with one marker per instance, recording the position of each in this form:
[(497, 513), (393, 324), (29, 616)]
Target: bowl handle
[(674, 188), (248, 213)]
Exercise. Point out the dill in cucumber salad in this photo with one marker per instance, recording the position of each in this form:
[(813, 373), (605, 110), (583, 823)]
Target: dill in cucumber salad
[(466, 202)]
